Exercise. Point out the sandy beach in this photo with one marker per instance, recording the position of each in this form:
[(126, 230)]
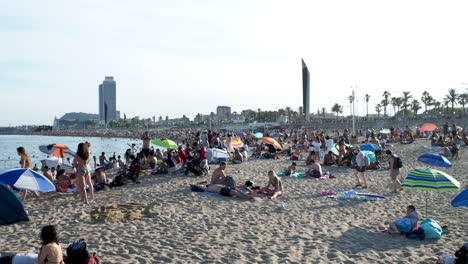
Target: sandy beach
[(162, 221)]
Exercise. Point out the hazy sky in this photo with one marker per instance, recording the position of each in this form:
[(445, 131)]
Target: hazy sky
[(187, 57)]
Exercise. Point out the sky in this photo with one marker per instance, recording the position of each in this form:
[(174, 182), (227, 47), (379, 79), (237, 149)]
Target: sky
[(171, 58)]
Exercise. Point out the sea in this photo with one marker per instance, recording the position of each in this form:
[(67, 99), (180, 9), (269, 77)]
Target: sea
[(9, 143)]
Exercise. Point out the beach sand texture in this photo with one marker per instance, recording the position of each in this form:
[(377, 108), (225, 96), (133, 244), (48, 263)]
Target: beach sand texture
[(162, 221)]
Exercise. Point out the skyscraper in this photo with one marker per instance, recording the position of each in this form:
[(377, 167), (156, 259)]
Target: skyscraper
[(305, 91), (107, 100)]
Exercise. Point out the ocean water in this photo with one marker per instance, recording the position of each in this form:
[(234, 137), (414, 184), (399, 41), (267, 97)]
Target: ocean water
[(10, 159)]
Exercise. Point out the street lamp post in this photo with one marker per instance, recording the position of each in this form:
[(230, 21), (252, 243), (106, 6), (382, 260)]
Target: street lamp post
[(354, 126)]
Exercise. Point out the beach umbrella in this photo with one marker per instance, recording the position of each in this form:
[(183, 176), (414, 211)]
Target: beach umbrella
[(431, 180), (26, 179), (461, 199), (435, 160), (165, 143), (57, 150), (369, 154), (235, 142), (385, 131), (429, 127), (370, 147), (277, 135), (241, 133), (271, 141), (258, 135)]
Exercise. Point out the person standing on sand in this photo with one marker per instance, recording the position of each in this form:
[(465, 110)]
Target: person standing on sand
[(25, 162), (146, 143), (394, 171), (360, 169), (81, 163)]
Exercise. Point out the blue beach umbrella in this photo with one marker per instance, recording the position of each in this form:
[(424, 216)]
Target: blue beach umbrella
[(369, 154), (370, 147), (430, 179), (258, 135), (461, 199), (435, 160), (26, 179)]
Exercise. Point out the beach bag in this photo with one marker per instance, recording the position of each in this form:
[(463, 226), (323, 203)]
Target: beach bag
[(399, 163), (77, 252), (461, 256), (366, 161), (431, 228), (230, 182)]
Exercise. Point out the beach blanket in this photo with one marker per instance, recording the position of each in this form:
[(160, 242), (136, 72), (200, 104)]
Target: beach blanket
[(433, 147), (353, 195), (295, 175)]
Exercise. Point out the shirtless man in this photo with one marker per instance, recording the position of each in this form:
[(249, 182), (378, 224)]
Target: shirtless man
[(146, 143), (218, 176)]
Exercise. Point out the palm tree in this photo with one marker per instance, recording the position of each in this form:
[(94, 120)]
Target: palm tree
[(385, 101), (405, 101), (394, 102), (351, 99), (415, 106), (426, 99), (337, 109), (451, 97), (289, 112), (378, 109), (324, 111), (463, 99), (367, 97)]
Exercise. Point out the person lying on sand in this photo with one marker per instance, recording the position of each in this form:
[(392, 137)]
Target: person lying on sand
[(405, 224), (241, 192), (274, 187), (290, 169)]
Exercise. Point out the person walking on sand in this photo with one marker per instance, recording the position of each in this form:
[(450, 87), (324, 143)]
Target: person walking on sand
[(361, 168), (25, 162), (394, 170), (81, 163)]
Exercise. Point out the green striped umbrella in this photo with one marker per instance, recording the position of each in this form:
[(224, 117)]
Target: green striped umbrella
[(165, 143), (430, 179)]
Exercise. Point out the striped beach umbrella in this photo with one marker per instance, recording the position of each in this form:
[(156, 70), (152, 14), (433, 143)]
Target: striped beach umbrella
[(431, 180), (26, 179)]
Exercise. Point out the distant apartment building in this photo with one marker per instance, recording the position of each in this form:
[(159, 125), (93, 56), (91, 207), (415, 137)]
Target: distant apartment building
[(107, 100), (223, 112)]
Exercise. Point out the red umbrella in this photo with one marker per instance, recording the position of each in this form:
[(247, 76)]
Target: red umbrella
[(429, 127), (271, 141), (57, 150)]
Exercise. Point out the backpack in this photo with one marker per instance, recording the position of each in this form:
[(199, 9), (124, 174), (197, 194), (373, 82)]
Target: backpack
[(398, 162), (366, 161), (461, 256), (77, 252)]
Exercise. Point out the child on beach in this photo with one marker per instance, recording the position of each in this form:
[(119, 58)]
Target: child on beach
[(274, 188), (288, 171)]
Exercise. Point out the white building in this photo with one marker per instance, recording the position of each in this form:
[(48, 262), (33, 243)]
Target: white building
[(107, 100)]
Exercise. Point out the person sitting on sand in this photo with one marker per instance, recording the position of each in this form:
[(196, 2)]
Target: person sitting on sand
[(310, 158), (244, 153), (274, 188), (63, 181), (329, 159), (218, 176), (290, 170), (99, 176), (158, 154), (405, 224), (151, 160), (51, 251), (315, 171), (237, 157), (46, 172)]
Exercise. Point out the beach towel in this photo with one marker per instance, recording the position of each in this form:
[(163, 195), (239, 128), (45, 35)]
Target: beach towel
[(295, 175), (433, 147)]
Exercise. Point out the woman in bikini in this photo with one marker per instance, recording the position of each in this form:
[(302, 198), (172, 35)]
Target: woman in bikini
[(25, 162), (275, 182), (51, 251), (81, 164)]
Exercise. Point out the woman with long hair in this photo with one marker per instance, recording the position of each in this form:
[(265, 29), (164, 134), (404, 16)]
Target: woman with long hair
[(25, 162), (51, 251), (81, 163)]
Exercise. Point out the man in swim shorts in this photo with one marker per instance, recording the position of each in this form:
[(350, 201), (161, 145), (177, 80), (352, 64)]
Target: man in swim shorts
[(218, 176)]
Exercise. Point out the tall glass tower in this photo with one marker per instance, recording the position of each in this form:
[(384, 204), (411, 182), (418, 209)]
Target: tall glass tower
[(107, 100)]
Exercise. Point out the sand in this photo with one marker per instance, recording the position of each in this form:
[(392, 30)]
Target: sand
[(162, 221)]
